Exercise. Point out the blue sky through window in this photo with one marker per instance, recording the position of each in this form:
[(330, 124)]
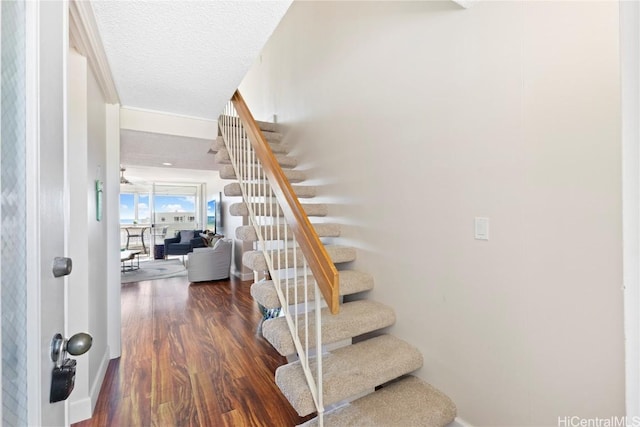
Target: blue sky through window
[(163, 204), (127, 211), (211, 214), (175, 203)]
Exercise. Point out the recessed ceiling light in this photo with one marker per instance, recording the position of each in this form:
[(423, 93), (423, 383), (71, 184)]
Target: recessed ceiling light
[(167, 164)]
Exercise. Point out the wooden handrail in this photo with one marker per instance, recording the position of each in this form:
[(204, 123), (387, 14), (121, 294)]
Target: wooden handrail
[(322, 267)]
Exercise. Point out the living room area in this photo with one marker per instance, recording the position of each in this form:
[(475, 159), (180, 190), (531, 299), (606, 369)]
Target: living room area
[(165, 214), (171, 194)]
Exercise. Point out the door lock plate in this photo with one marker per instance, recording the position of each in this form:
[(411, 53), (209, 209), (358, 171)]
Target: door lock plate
[(57, 343)]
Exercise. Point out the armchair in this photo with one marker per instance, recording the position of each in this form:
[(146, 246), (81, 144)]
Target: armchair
[(207, 264), (183, 243)]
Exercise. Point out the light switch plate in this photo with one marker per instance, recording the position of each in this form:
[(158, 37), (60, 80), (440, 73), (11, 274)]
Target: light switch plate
[(482, 228)]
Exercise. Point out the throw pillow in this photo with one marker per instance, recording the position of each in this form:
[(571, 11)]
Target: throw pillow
[(218, 243), (206, 239), (214, 240), (186, 236)]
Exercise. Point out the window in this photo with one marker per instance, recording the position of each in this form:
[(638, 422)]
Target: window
[(211, 215), (127, 208), (144, 215), (175, 206)]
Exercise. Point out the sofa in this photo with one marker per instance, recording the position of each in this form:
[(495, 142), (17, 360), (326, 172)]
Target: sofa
[(183, 243), (210, 263)]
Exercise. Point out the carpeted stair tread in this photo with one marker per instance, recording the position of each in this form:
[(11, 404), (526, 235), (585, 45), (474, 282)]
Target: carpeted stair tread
[(256, 262), (276, 147), (285, 161), (302, 191), (354, 319), (264, 126), (227, 172), (269, 136), (248, 233), (351, 282), (349, 371), (311, 209), (272, 136), (407, 402)]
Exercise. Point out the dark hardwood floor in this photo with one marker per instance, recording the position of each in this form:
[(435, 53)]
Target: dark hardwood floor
[(191, 355)]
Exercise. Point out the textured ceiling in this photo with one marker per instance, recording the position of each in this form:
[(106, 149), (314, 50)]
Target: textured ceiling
[(183, 57)]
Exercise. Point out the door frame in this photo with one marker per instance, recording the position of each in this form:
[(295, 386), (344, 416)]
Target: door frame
[(630, 110), (38, 394), (85, 38)]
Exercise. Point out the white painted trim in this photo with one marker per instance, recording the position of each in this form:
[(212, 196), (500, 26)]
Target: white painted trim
[(77, 244), (66, 180), (78, 410), (99, 379), (630, 99), (112, 217), (82, 409), (2, 394), (466, 4), (84, 36), (242, 276), (168, 124), (181, 116), (33, 235), (459, 422)]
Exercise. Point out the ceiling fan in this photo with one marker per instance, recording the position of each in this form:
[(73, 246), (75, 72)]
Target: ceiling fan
[(123, 180)]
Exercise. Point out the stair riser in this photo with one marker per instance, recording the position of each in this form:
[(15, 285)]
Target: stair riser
[(355, 318), (429, 407), (302, 191), (263, 126), (294, 176), (271, 136), (241, 209), (255, 260), (276, 146), (248, 233), (350, 371), (351, 282), (223, 158)]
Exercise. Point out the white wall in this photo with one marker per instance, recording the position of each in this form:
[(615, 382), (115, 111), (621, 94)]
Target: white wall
[(96, 170), (87, 290), (417, 117), (168, 124)]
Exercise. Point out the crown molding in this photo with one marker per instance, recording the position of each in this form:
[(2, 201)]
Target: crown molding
[(84, 36), (169, 114)]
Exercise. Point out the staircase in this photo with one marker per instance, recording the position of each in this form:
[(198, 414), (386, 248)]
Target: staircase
[(365, 373)]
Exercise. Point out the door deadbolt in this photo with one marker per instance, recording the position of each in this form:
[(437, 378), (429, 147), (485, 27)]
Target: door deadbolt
[(61, 266)]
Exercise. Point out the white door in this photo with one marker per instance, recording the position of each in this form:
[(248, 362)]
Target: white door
[(46, 52)]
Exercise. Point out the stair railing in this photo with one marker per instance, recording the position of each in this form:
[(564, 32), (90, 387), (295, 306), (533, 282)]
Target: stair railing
[(286, 238)]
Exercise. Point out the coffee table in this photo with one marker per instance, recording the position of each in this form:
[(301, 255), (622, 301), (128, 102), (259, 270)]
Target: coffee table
[(130, 256)]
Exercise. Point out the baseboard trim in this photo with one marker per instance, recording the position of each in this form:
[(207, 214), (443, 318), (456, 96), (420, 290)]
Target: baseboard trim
[(82, 409), (99, 379), (459, 422), (242, 276)]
